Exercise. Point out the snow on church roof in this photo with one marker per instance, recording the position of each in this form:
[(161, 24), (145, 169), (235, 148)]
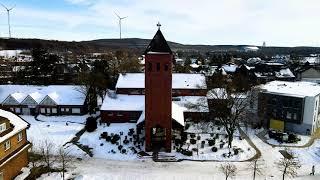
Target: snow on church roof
[(122, 102), (298, 88), (177, 114), (61, 94), (19, 124), (179, 81)]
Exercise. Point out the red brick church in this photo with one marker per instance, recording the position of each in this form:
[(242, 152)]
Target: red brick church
[(157, 100)]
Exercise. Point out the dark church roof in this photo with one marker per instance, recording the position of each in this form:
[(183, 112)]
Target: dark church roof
[(158, 44)]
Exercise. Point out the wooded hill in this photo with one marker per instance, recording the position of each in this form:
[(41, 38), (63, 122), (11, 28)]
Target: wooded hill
[(138, 45)]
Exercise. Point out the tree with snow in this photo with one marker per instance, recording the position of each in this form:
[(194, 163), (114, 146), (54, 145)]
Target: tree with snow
[(229, 170), (289, 165)]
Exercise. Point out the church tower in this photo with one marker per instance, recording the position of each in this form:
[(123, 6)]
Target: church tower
[(158, 97)]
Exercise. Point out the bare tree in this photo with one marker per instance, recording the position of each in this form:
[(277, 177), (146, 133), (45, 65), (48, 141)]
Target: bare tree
[(229, 170), (230, 110), (65, 160), (289, 165), (32, 154), (256, 166), (46, 153)]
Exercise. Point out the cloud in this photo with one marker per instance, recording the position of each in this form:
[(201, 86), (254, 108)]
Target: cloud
[(285, 22)]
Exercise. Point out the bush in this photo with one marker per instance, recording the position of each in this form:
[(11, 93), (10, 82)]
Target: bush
[(91, 124), (131, 132), (120, 147), (184, 137), (195, 149), (198, 137), (193, 141), (236, 151), (186, 152), (221, 145), (214, 149), (178, 149), (123, 151), (177, 142), (192, 135), (211, 135), (108, 124), (125, 141), (108, 138), (115, 139), (211, 142)]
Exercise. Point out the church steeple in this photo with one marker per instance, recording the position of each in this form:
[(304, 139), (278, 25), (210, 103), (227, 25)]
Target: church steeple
[(158, 43)]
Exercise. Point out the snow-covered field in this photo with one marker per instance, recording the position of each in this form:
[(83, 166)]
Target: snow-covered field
[(56, 130)]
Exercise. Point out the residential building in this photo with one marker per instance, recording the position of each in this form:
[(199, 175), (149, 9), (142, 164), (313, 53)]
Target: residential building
[(47, 100), (290, 106), (13, 144)]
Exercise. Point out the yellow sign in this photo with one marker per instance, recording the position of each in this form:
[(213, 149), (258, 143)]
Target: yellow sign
[(276, 124)]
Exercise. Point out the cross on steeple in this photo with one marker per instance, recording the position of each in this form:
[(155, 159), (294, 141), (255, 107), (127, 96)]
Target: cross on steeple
[(159, 25)]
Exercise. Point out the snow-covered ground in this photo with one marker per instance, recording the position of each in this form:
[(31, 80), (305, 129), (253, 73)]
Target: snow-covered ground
[(102, 148), (246, 151), (304, 140), (56, 130), (107, 166)]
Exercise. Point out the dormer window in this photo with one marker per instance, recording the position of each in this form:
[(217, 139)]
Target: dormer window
[(3, 127)]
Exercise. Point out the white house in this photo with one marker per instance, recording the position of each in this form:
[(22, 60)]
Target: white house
[(290, 106)]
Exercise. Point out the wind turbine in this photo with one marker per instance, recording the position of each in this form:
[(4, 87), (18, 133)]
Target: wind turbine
[(120, 19), (8, 11)]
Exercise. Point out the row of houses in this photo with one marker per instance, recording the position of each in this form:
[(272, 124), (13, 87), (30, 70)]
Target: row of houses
[(48, 100)]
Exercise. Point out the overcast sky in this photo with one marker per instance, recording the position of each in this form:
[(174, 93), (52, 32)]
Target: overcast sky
[(277, 22)]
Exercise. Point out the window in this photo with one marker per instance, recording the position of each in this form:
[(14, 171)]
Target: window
[(42, 110), (18, 110), (119, 114), (149, 66), (3, 127), (75, 110), (20, 137), (294, 116), (288, 115), (7, 145), (67, 109), (110, 114), (158, 66), (166, 67), (54, 110), (48, 110), (12, 109)]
